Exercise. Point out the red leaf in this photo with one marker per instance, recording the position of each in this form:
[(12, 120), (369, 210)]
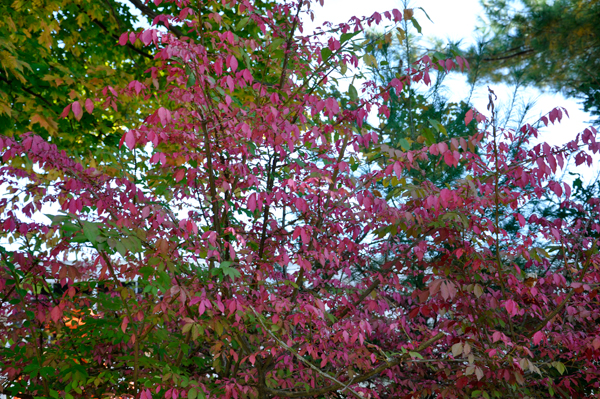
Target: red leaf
[(130, 139), (538, 336), (233, 63), (66, 111), (449, 158), (163, 115), (179, 175), (123, 38), (89, 106), (56, 313), (521, 219), (469, 116), (124, 324), (77, 111)]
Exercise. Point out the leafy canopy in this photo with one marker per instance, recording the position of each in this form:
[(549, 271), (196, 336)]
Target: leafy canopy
[(240, 250)]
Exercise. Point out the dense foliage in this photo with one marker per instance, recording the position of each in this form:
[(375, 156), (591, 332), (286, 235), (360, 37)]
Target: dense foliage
[(237, 248), (55, 52)]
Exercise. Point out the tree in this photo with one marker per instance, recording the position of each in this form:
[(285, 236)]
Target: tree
[(415, 117), (549, 44), (240, 212), (55, 52)]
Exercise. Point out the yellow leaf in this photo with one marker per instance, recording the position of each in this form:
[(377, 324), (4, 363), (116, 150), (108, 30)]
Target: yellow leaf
[(46, 123)]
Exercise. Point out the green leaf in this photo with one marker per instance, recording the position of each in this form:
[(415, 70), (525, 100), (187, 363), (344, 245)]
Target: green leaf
[(231, 272), (325, 54), (438, 126), (415, 354), (243, 22), (276, 44), (146, 271), (370, 60), (404, 144), (352, 93), (132, 243), (191, 80), (424, 12), (69, 227), (121, 248), (560, 367), (416, 24), (347, 36)]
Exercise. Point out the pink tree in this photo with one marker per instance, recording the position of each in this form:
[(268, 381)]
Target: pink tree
[(268, 264)]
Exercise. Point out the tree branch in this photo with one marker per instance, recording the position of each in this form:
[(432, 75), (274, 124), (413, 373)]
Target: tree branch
[(303, 360), (364, 377)]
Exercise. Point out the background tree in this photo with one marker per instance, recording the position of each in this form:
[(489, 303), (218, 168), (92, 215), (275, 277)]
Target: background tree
[(553, 44), (417, 115), (55, 52)]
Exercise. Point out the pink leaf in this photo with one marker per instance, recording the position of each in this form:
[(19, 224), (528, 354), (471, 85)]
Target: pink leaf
[(443, 147), (511, 307), (469, 116), (66, 111), (449, 158), (497, 336), (123, 38), (77, 111), (162, 115), (130, 139), (434, 150), (251, 203), (538, 336), (89, 106), (56, 313), (124, 324), (233, 63)]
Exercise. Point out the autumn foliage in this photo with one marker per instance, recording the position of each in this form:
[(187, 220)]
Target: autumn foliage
[(266, 261)]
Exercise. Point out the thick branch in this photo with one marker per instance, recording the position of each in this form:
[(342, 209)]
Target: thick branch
[(509, 56)]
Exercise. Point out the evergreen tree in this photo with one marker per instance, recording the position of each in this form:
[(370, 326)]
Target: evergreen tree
[(554, 44)]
